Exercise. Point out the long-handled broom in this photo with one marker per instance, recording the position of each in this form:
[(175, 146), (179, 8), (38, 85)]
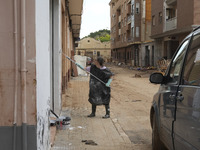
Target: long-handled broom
[(86, 70)]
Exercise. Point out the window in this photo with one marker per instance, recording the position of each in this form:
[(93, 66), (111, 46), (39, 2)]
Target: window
[(170, 13), (124, 5), (153, 21), (132, 10), (177, 62), (192, 67), (119, 37), (132, 31), (119, 25), (160, 17), (137, 8), (113, 4), (98, 53), (125, 21), (128, 56), (124, 37), (137, 32)]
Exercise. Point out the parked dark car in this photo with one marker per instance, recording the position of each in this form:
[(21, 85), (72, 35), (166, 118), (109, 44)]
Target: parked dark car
[(175, 111)]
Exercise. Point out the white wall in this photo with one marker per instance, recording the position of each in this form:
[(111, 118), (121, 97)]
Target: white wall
[(57, 54), (82, 61), (42, 73)]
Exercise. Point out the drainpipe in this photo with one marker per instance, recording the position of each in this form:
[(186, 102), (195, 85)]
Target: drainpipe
[(125, 56), (23, 74), (16, 50)]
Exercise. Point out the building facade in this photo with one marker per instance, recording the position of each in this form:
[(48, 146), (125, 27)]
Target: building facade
[(171, 23), (33, 71), (94, 48), (130, 31)]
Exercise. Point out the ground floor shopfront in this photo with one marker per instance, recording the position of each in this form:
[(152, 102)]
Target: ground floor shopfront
[(138, 54)]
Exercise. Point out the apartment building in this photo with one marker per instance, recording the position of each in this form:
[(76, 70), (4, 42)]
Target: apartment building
[(94, 48), (33, 71), (130, 31), (172, 20)]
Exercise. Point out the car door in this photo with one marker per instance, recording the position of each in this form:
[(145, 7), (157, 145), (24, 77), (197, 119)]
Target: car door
[(187, 124), (168, 95)]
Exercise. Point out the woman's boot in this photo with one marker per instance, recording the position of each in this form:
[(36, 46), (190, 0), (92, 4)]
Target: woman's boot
[(107, 107), (93, 111)]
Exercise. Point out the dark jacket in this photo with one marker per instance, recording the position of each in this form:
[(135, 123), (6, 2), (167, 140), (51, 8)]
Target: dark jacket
[(99, 93)]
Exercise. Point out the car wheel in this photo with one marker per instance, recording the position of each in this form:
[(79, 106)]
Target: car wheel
[(156, 142)]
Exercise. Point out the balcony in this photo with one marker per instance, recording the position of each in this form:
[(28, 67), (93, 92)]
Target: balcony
[(129, 9), (171, 24), (128, 27), (129, 19), (76, 15), (171, 2), (119, 32), (120, 18), (129, 1), (130, 39)]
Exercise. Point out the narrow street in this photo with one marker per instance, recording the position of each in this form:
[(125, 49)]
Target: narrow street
[(129, 125)]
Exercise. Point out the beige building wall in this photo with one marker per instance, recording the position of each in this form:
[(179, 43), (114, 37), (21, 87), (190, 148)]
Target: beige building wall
[(27, 41), (93, 48), (67, 47), (17, 73)]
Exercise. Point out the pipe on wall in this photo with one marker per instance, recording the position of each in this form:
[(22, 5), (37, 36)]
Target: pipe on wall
[(16, 51), (23, 74)]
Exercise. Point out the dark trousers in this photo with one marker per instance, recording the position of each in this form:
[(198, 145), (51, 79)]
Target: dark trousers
[(107, 107)]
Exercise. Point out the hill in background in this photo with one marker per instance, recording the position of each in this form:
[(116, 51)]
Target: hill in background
[(101, 35)]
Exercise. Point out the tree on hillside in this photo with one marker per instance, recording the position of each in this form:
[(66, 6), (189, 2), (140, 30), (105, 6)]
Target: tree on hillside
[(101, 35)]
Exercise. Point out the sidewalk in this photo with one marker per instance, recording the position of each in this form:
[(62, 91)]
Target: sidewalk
[(106, 133)]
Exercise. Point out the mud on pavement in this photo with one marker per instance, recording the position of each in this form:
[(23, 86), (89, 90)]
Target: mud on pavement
[(129, 125)]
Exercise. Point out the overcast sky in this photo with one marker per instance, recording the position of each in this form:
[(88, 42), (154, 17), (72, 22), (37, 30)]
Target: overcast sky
[(96, 16)]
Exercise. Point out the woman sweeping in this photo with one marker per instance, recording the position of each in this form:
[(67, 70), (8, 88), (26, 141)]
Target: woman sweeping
[(99, 93)]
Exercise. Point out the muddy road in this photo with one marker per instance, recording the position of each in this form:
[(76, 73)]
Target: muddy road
[(132, 95), (129, 126)]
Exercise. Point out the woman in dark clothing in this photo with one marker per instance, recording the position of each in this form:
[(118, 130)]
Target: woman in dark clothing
[(99, 93)]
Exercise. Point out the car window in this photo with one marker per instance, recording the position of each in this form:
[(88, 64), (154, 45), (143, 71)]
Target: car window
[(191, 74), (177, 62)]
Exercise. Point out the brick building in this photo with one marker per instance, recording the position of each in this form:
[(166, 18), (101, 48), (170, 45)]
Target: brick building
[(172, 20), (130, 31)]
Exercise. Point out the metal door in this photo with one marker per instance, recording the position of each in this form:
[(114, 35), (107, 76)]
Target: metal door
[(168, 95), (187, 124)]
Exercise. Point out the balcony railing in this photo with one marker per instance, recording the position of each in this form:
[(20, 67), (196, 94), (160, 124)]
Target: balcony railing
[(171, 24), (129, 19), (128, 27), (120, 18), (129, 1), (130, 39), (129, 9), (171, 2), (119, 32)]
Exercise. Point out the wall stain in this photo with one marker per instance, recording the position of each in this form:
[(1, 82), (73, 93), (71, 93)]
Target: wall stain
[(43, 132)]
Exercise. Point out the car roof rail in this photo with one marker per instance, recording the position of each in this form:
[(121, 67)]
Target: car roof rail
[(196, 28)]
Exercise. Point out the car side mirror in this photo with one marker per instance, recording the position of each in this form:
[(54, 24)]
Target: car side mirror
[(156, 78)]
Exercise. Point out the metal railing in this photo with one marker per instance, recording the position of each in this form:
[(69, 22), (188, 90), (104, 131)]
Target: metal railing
[(171, 24)]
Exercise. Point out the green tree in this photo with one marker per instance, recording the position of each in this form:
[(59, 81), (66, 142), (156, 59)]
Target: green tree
[(101, 35)]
